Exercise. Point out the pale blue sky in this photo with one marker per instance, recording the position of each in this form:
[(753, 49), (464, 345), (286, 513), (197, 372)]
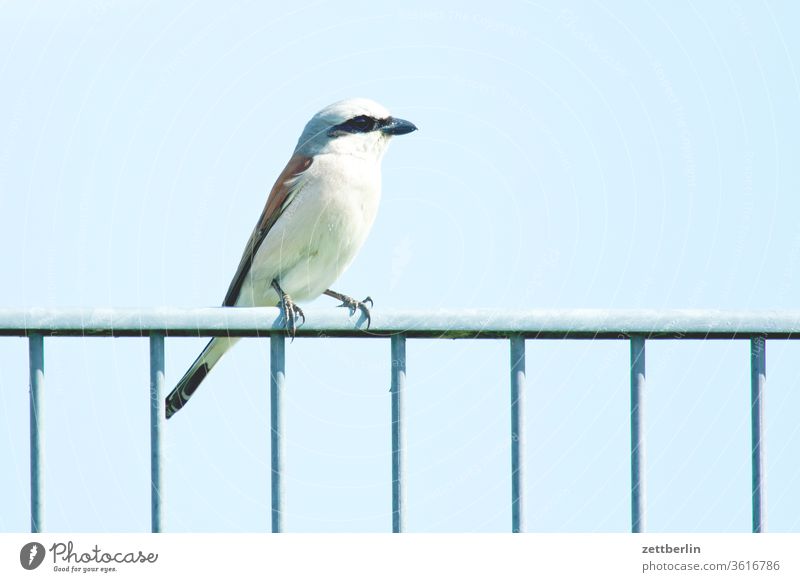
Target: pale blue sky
[(577, 154)]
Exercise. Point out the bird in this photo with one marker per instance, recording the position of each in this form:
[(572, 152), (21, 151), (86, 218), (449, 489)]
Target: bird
[(316, 218)]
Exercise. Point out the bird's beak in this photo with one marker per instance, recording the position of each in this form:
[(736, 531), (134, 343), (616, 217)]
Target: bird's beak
[(395, 126)]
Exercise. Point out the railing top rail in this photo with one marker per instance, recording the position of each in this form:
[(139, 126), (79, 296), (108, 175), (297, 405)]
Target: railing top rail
[(440, 323)]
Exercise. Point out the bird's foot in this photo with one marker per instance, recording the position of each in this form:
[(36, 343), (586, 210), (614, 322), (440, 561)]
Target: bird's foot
[(292, 314), (354, 304)]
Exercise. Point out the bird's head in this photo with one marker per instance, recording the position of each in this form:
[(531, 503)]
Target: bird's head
[(358, 127)]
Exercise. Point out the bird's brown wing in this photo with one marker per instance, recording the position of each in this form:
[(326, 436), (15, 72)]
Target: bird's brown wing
[(280, 197)]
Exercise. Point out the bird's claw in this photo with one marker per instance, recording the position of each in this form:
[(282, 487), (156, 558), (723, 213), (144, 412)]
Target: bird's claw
[(353, 304), (291, 314)]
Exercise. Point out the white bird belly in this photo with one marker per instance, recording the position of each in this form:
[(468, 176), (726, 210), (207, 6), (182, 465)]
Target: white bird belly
[(319, 233)]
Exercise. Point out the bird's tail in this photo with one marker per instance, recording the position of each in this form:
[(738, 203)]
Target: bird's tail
[(194, 376)]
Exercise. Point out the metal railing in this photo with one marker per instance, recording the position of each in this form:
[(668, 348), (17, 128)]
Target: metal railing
[(635, 326)]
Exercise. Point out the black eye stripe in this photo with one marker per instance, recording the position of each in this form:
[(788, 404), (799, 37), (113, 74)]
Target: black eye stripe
[(358, 124), (362, 123)]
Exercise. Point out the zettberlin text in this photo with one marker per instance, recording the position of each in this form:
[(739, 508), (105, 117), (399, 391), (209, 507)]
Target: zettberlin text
[(66, 552), (667, 549)]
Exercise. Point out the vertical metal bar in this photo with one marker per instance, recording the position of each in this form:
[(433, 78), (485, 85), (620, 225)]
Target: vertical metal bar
[(517, 434), (157, 424), (637, 435), (277, 361), (36, 361), (398, 433), (758, 379)]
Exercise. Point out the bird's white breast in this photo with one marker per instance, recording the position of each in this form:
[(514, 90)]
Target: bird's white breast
[(319, 233)]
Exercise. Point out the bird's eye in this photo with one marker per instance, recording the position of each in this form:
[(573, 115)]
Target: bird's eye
[(361, 124)]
